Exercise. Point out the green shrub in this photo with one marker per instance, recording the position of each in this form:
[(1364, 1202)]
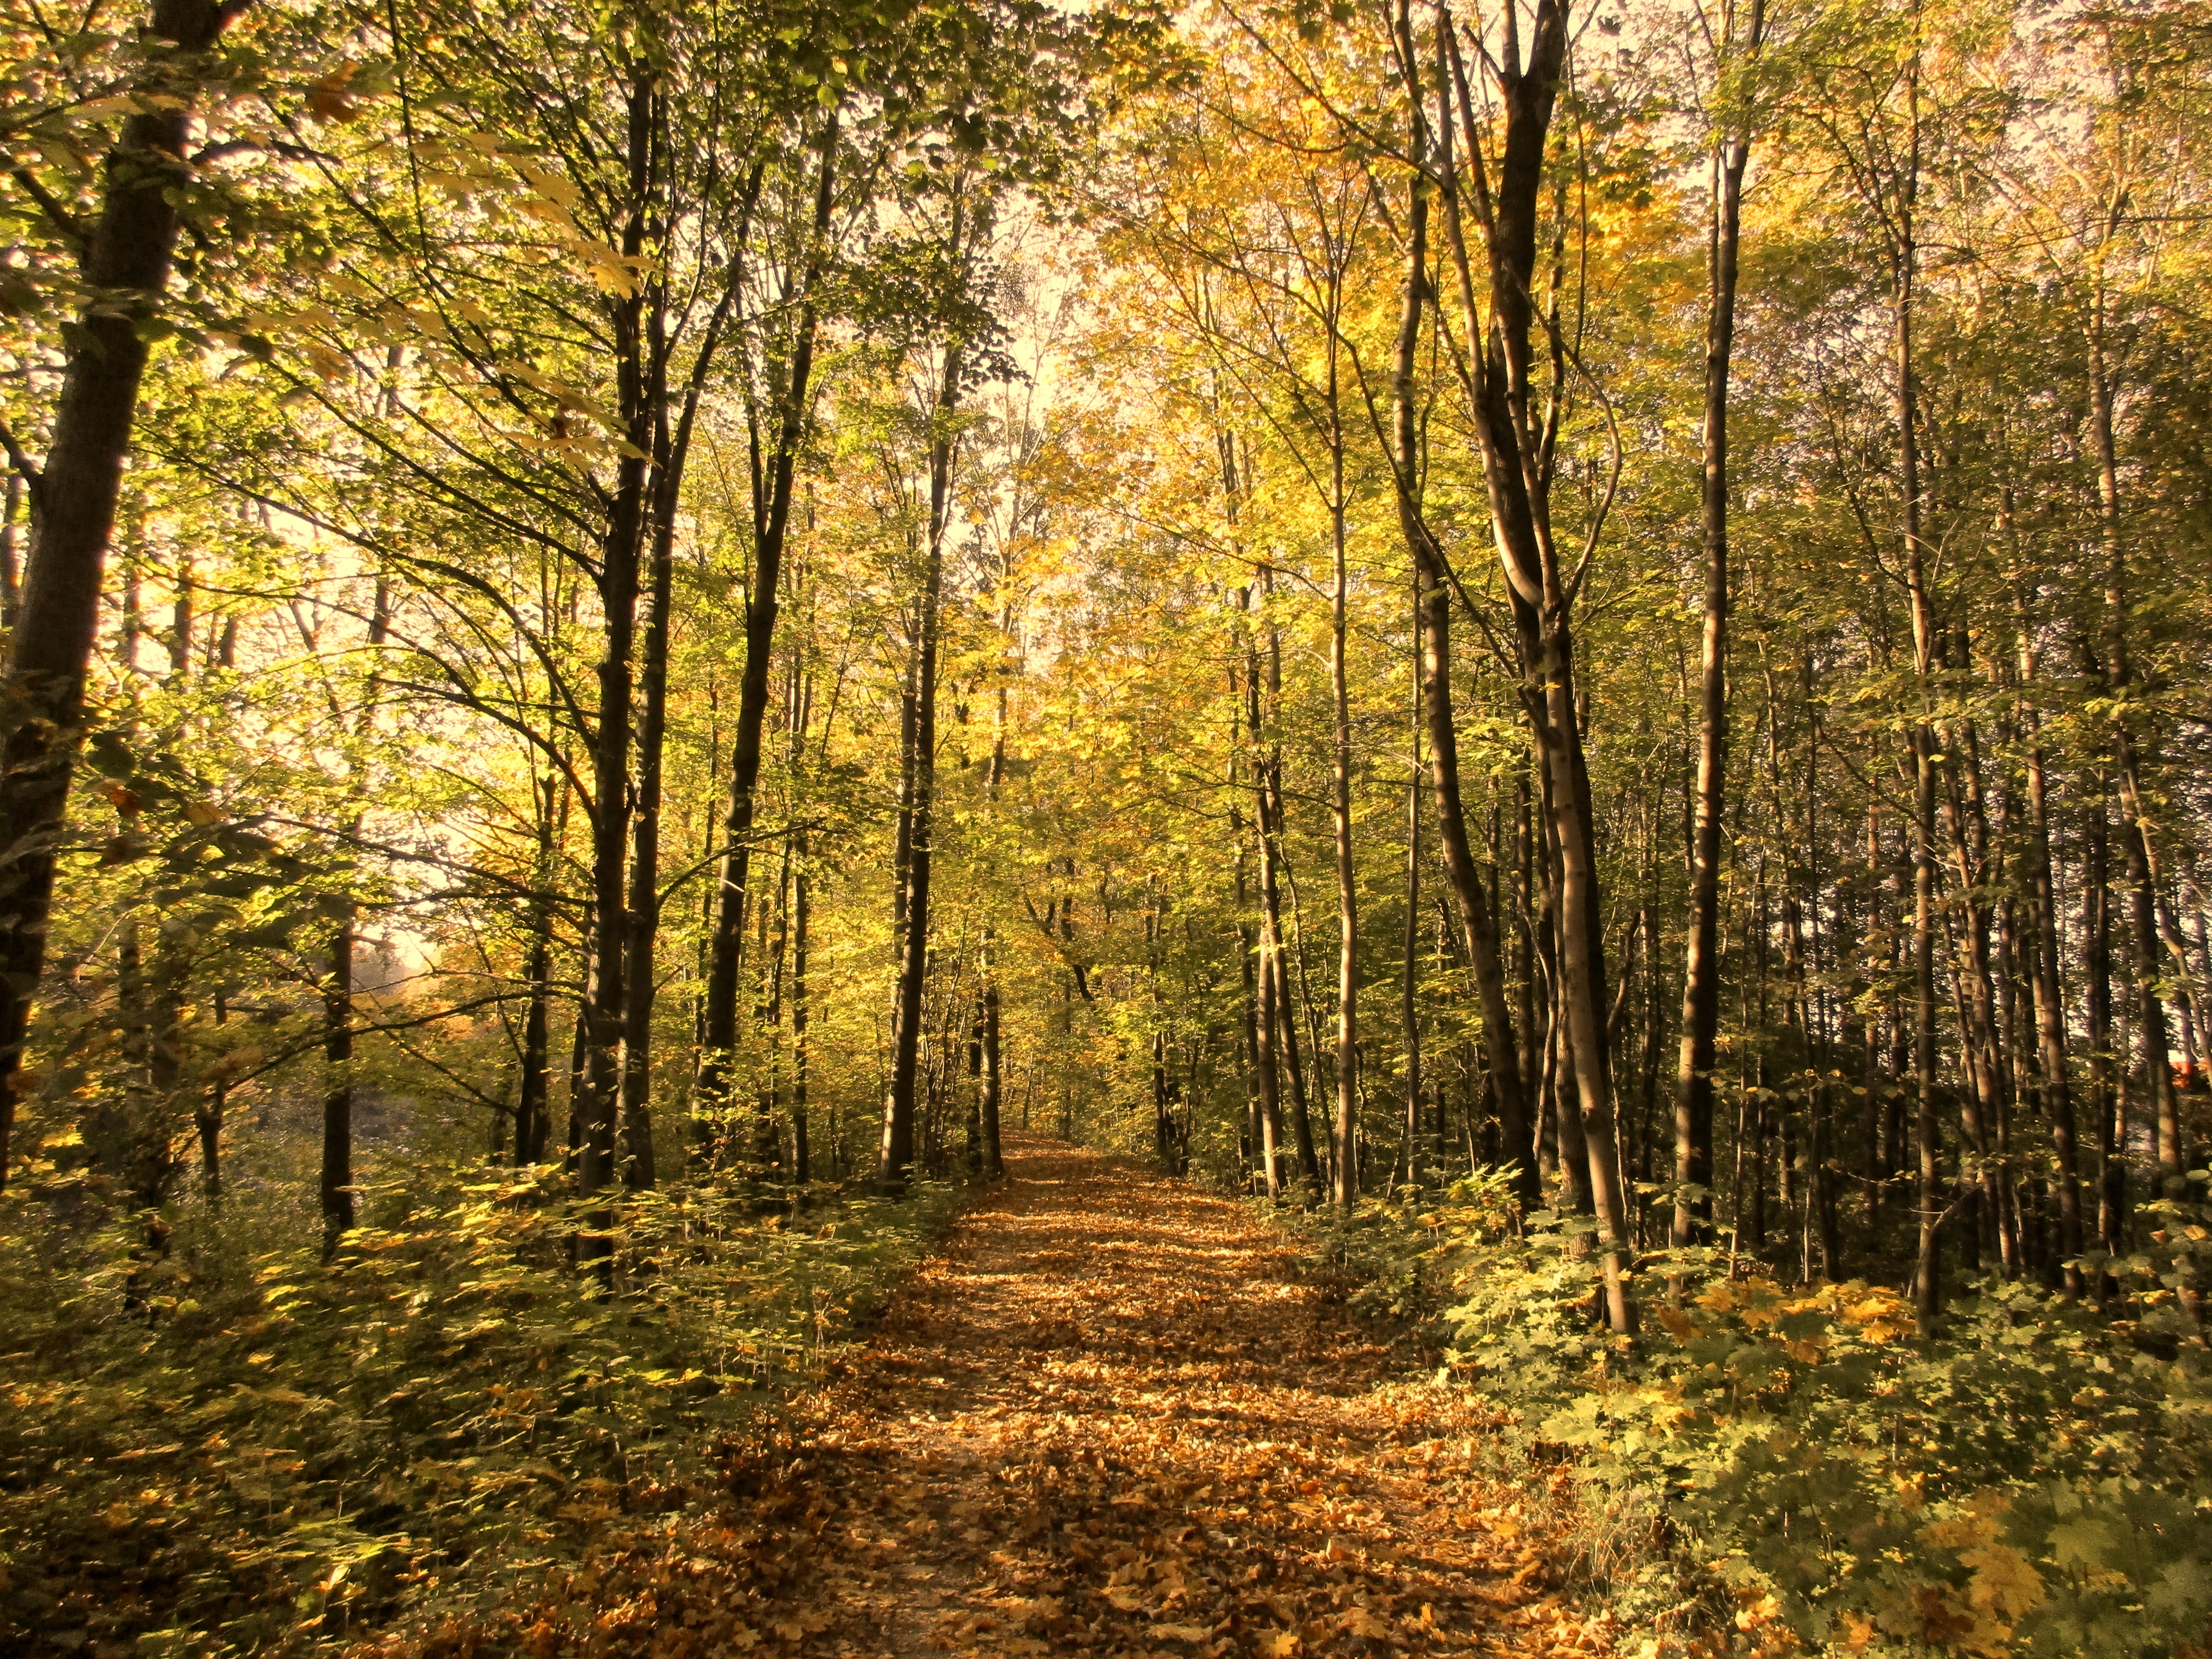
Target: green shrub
[(1774, 1468), (256, 1449)]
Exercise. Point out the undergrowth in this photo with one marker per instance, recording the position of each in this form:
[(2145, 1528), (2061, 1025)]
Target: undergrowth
[(1772, 1469), (243, 1448)]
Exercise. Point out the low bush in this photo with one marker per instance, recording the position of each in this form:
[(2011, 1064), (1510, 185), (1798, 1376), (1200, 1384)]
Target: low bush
[(242, 1447), (1774, 1469)]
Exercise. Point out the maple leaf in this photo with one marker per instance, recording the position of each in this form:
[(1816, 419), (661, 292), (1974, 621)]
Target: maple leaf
[(1358, 1621)]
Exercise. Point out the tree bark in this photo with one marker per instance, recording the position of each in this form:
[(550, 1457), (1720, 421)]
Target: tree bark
[(897, 1157), (1515, 441), (1701, 971), (336, 1185), (599, 1160), (772, 494), (1347, 1171), (2147, 946), (1409, 1010), (1432, 609), (2049, 1008), (125, 256)]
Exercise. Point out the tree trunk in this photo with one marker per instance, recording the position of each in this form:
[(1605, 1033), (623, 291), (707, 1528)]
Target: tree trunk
[(644, 906), (994, 1163), (2173, 1153), (1347, 888), (2050, 1007), (1701, 972), (896, 1156), (1270, 813), (802, 900), (1433, 609), (1516, 450), (598, 1164), (533, 1112), (125, 261), (670, 453), (1409, 1012), (772, 494), (2107, 1108), (336, 1188)]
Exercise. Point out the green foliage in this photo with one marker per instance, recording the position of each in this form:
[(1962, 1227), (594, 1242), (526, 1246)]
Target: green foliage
[(1796, 1464), (228, 1449)]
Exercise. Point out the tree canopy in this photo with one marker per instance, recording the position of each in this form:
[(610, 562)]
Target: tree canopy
[(1586, 624)]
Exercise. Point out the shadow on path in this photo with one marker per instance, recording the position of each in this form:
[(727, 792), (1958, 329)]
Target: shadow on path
[(1110, 1418)]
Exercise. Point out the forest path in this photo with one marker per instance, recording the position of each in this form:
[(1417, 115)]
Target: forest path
[(1109, 1417)]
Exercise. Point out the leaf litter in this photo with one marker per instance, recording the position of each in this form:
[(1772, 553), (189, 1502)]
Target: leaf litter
[(1109, 1416)]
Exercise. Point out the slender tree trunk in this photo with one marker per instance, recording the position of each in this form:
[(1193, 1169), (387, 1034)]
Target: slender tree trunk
[(1347, 888), (644, 908), (994, 1164), (1511, 433), (599, 1164), (1701, 976), (802, 902), (772, 494), (670, 453), (1409, 1003), (1928, 1274), (1272, 835), (337, 1205), (2049, 1008), (209, 1122), (2107, 1110), (533, 1113), (1433, 601), (1261, 976), (336, 1186), (896, 1156), (2147, 946)]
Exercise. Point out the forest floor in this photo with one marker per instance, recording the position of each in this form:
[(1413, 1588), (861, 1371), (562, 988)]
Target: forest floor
[(1112, 1414)]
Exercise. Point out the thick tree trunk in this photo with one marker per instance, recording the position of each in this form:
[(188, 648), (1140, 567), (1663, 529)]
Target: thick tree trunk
[(125, 261)]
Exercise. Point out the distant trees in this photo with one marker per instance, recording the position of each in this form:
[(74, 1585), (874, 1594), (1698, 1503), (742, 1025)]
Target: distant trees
[(756, 594)]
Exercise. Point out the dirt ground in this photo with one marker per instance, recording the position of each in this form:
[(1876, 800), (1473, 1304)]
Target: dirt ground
[(1111, 1417)]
